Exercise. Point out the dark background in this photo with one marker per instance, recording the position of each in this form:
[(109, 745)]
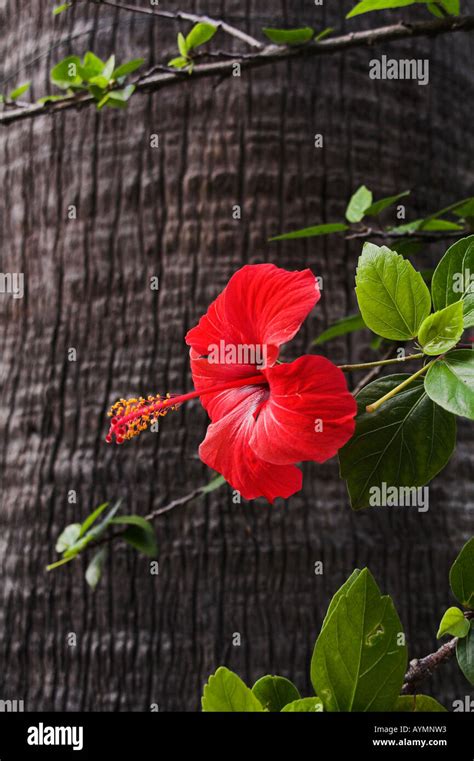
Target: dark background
[(224, 568)]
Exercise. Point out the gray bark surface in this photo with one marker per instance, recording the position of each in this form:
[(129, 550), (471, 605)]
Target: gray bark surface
[(167, 212)]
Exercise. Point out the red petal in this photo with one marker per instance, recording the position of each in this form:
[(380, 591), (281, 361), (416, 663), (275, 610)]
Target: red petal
[(262, 305), (309, 414), (226, 449), (207, 375)]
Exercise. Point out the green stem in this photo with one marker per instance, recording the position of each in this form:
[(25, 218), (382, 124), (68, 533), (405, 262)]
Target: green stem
[(373, 407), (364, 365)]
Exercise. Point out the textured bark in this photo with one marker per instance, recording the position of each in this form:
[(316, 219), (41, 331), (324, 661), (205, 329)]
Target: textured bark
[(224, 568)]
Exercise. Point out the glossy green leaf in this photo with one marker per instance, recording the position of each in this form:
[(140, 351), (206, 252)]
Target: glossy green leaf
[(466, 209), (450, 382), (325, 33), (360, 201), (305, 705), (91, 66), (453, 279), (128, 68), (19, 91), (182, 45), (289, 36), (93, 532), (393, 297), (461, 576), (95, 568), (341, 328), (226, 692), (199, 35), (61, 8), (178, 63), (140, 534), (442, 330), (92, 518), (275, 692), (440, 225), (366, 6), (340, 593), (68, 537), (417, 704), (405, 443), (360, 658), (454, 623), (465, 655), (65, 73), (312, 232), (384, 203)]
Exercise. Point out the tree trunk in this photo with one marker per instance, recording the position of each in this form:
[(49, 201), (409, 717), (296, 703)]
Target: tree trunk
[(142, 639)]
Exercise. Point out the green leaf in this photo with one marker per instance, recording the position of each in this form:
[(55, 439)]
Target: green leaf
[(91, 66), (366, 6), (95, 568), (441, 331), (358, 663), (325, 33), (454, 623), (465, 655), (50, 99), (275, 692), (216, 483), (199, 35), (311, 232), (384, 203), (289, 36), (453, 279), (360, 201), (117, 98), (128, 68), (417, 704), (182, 45), (15, 94), (305, 705), (92, 534), (341, 592), (68, 537), (65, 73), (405, 443), (60, 8), (226, 692), (466, 209), (461, 576), (440, 225), (393, 297), (340, 328), (92, 518), (450, 382), (178, 63), (140, 534), (451, 6)]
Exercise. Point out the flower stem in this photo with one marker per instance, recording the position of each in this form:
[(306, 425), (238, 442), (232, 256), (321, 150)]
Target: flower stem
[(373, 407), (379, 363)]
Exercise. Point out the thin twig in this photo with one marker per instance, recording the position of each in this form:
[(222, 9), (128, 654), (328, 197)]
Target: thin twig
[(421, 235), (265, 56), (182, 16), (379, 363), (373, 373)]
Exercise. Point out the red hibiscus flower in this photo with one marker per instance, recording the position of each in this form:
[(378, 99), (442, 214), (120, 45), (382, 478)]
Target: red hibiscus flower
[(265, 416)]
